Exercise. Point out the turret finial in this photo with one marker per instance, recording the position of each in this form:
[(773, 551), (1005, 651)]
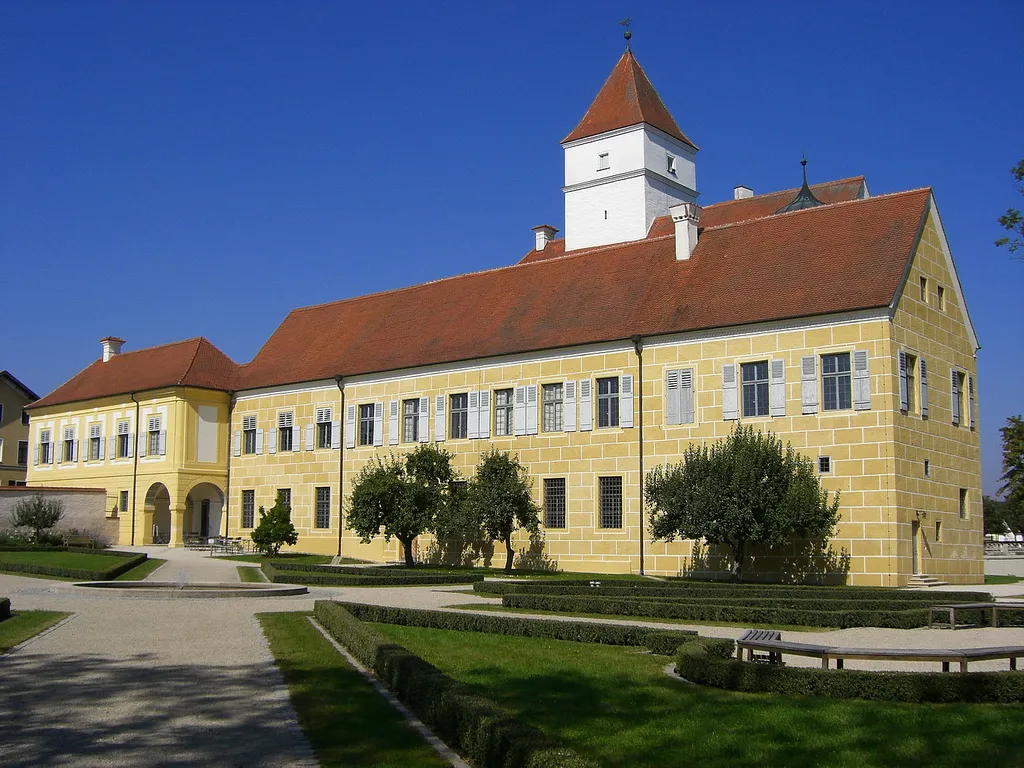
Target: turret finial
[(627, 34)]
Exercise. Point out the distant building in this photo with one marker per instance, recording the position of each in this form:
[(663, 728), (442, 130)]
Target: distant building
[(830, 317), (14, 444)]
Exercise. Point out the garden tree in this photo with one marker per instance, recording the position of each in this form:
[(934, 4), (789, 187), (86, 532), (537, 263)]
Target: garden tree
[(275, 528), (746, 489), (998, 517), (1013, 469), (38, 513), (1012, 221), (499, 498), (402, 497)]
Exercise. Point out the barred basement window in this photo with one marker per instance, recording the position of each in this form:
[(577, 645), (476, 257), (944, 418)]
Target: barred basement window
[(459, 417), (503, 412), (249, 434), (248, 509), (324, 438), (323, 508), (552, 397), (836, 388), (824, 464), (366, 424), (411, 420), (122, 503), (554, 502), (755, 388), (610, 501), (608, 402), (123, 439), (285, 431)]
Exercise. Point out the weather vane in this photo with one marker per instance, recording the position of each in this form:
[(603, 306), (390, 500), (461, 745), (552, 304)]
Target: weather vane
[(627, 34)]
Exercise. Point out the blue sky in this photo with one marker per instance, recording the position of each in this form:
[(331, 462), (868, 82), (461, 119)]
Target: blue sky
[(172, 169)]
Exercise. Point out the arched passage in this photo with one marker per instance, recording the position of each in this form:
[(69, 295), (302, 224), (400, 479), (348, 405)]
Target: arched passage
[(204, 510), (156, 526)]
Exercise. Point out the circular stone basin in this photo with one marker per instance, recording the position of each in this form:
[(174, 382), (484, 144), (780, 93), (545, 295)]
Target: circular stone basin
[(171, 590)]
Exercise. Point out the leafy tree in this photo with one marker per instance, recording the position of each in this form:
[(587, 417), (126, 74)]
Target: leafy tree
[(402, 497), (499, 498), (275, 528), (747, 489), (999, 516), (1012, 221), (38, 513), (1013, 471)]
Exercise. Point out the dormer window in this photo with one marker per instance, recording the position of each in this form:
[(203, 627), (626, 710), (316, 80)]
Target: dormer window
[(602, 162), (670, 165)]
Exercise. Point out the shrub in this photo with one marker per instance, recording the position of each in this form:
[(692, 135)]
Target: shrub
[(701, 662), (128, 560), (5, 608), (38, 513), (275, 528), (327, 575), (476, 727)]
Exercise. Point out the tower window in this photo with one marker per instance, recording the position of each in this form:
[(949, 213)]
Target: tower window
[(602, 162), (671, 165), (941, 296)]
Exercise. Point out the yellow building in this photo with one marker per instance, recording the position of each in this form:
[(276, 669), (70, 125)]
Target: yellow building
[(823, 314), (14, 396)]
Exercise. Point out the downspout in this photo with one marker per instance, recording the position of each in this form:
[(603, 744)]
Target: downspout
[(341, 458), (135, 463), (638, 345), (227, 482)]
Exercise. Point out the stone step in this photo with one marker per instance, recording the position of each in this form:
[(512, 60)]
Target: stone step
[(921, 580)]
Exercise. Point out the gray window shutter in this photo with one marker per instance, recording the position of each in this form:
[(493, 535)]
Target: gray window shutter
[(586, 406), (378, 424), (350, 426), (393, 421), (162, 441), (924, 388), (569, 406), (777, 380), (861, 380), (483, 425), (519, 411), (473, 428), (729, 402), (672, 398), (954, 376), (309, 436), (424, 425), (970, 400), (626, 401), (272, 440), (904, 392), (131, 446), (335, 434), (439, 411), (808, 384), (531, 409), (259, 442), (685, 397)]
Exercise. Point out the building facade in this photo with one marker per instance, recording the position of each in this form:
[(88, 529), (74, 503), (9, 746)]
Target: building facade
[(828, 316), (14, 420)]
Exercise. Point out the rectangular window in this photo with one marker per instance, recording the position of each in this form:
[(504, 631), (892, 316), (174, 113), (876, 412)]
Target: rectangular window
[(45, 447), (927, 468), (608, 402), (122, 502), (755, 388), (670, 164), (610, 490), (24, 418), (323, 508), (836, 385), (286, 431), (956, 400), (23, 452), (824, 464), (554, 502), (324, 436), (123, 438), (69, 444), (911, 384), (503, 406), (940, 294), (153, 430), (602, 162), (924, 289), (459, 417), (552, 398), (938, 531), (248, 434), (963, 503), (95, 441), (285, 495), (411, 420), (248, 509), (366, 424)]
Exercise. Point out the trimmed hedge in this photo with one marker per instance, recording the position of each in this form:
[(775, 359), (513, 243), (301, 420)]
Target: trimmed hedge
[(476, 727), (577, 631), (701, 662), (308, 576), (129, 560), (5, 608)]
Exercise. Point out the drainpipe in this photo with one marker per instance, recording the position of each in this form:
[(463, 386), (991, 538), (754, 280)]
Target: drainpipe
[(638, 345), (135, 464), (341, 458), (227, 482)]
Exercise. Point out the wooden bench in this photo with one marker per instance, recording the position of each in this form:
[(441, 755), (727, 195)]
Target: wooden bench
[(951, 610), (80, 541), (771, 642)]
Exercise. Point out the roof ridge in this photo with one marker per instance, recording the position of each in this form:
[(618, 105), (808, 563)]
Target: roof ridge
[(159, 346), (861, 176), (195, 354)]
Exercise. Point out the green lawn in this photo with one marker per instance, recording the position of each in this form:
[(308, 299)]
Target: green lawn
[(347, 722), (250, 575), (1003, 579), (617, 706), (25, 624), (88, 562), (139, 572)]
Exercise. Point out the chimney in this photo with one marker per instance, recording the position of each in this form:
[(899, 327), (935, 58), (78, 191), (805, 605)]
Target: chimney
[(545, 234), (686, 217), (111, 347), (739, 192)]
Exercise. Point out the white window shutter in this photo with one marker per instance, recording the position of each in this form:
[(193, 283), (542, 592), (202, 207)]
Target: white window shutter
[(569, 406), (970, 400), (904, 392), (424, 425), (483, 414), (439, 412), (808, 384), (672, 398), (35, 459), (861, 380), (393, 421), (473, 428), (686, 396), (954, 402), (519, 411), (730, 409), (350, 426), (626, 401), (531, 409), (143, 444), (336, 434), (586, 406), (162, 441), (259, 442), (378, 424), (113, 447), (309, 437), (777, 382), (131, 446), (103, 445), (272, 440), (924, 388)]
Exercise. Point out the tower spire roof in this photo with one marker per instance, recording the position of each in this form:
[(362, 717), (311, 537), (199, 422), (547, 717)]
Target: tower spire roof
[(626, 98), (804, 198)]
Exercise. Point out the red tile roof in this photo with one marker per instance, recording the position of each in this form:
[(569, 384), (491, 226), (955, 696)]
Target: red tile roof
[(626, 98), (191, 363), (834, 258)]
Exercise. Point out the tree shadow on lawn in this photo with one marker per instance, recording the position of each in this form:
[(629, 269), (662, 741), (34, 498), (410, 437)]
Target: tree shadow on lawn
[(133, 712), (622, 719)]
